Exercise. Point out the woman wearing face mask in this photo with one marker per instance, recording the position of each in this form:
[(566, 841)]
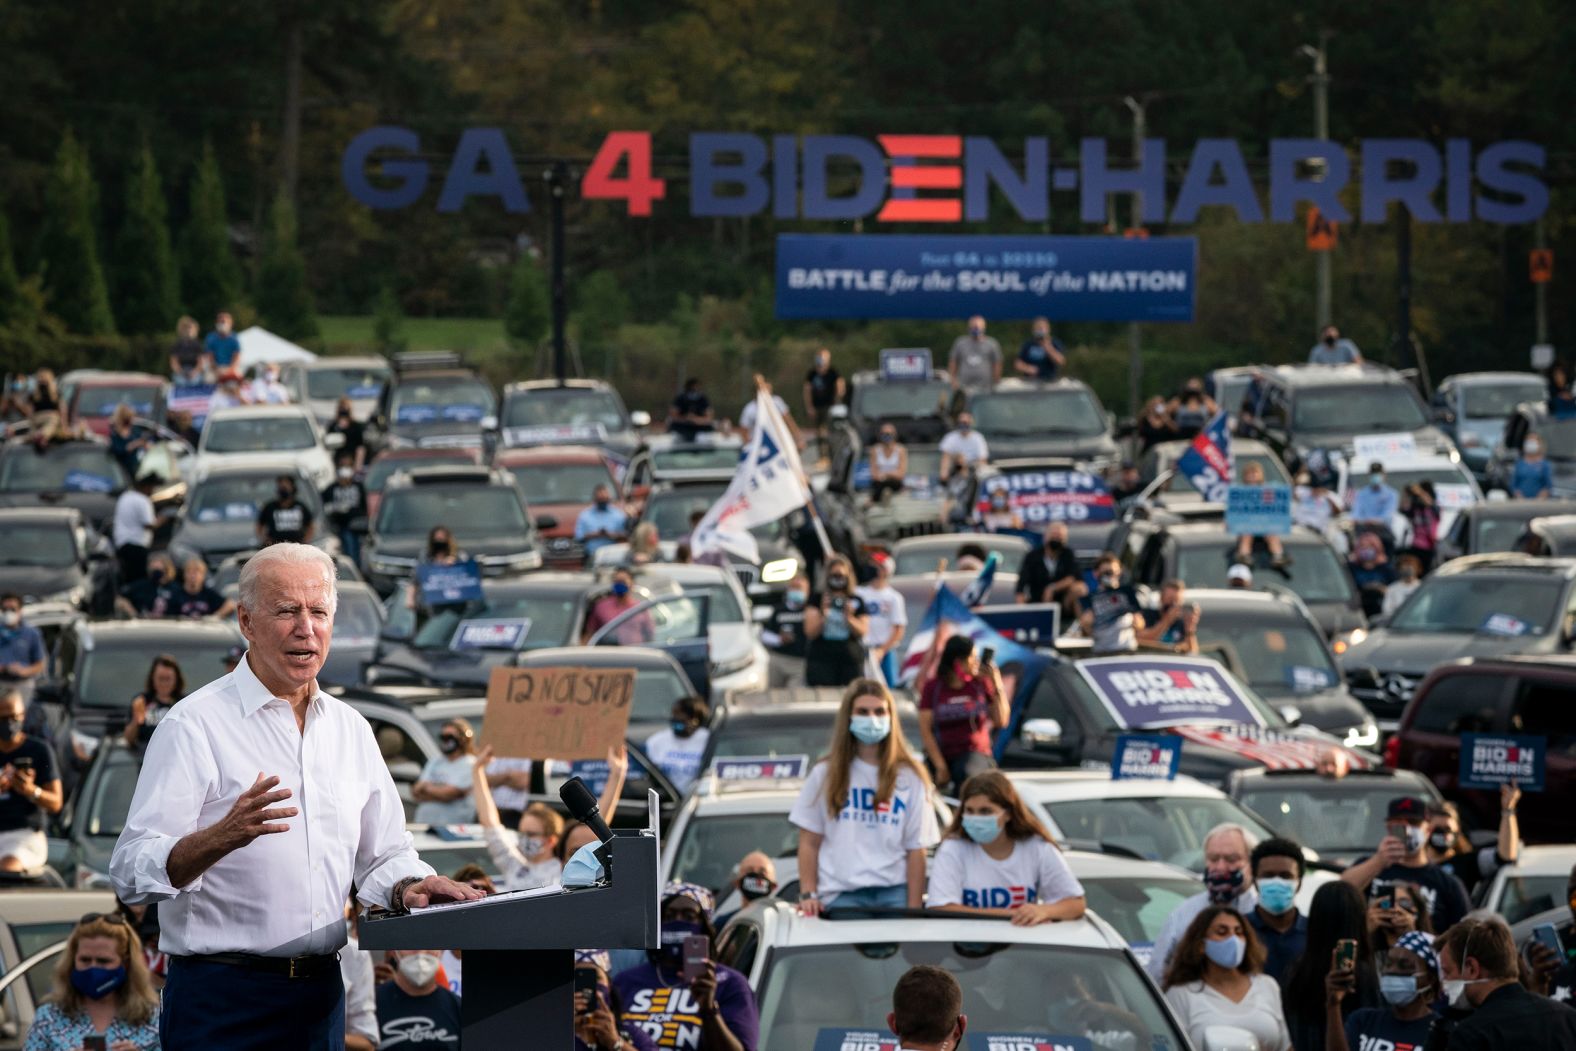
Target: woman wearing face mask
[(1532, 478), (1000, 514), (864, 814), (599, 1011), (1337, 914), (525, 861), (677, 750), (1452, 851), (888, 464), (1420, 505), (1408, 578), (126, 440), (1394, 915), (834, 626), (164, 686), (441, 549), (960, 710), (1409, 983), (1216, 978), (715, 1011), (997, 860), (355, 444), (444, 788), (102, 989)]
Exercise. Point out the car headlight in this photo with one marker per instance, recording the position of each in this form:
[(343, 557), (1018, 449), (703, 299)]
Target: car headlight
[(779, 570), (1347, 640), (71, 596)]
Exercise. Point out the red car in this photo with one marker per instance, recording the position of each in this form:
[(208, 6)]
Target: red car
[(95, 396), (557, 482), (391, 460)]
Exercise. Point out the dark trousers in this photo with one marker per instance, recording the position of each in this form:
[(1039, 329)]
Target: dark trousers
[(882, 486), (207, 1006), (133, 559), (962, 767)]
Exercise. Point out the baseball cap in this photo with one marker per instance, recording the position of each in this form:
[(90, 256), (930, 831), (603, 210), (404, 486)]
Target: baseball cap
[(1240, 572), (1406, 808)]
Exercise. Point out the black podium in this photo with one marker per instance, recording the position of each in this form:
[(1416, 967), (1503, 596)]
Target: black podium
[(519, 951)]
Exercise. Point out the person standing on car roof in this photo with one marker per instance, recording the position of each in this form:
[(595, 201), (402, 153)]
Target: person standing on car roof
[(1111, 614), (1042, 356), (784, 636), (1452, 851), (1402, 857), (824, 387), (888, 617), (1278, 866), (690, 412), (961, 709), (975, 359), (1228, 880)]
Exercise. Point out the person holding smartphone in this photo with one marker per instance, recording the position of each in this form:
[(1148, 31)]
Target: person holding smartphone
[(599, 1014), (835, 624), (29, 790), (1216, 978), (1553, 967), (680, 997), (1409, 983), (103, 997), (1337, 941)]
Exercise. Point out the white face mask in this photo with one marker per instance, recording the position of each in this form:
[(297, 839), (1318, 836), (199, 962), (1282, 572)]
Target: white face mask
[(346, 474), (1533, 448), (1455, 991), (12, 617), (418, 968)]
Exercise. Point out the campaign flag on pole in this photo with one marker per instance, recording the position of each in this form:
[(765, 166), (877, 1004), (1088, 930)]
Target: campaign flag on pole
[(1207, 461), (979, 588), (192, 398), (768, 484)]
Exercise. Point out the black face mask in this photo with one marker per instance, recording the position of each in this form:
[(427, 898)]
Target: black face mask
[(436, 548), (449, 743), (753, 886), (1329, 341), (286, 493)]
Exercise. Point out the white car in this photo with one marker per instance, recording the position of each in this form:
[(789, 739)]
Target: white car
[(282, 436), (831, 978), (449, 848), (1534, 884), (1162, 821)]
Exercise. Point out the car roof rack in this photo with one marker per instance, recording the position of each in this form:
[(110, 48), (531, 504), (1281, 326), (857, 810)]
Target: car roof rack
[(420, 360)]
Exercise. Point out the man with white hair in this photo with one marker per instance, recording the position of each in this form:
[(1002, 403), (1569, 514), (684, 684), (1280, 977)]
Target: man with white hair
[(1228, 880), (262, 800)]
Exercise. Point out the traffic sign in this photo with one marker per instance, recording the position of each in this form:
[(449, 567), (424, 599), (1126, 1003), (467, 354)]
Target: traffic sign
[(1321, 232), (1540, 265)]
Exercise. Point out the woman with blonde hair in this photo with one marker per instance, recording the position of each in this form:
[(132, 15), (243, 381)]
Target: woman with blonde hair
[(643, 544), (102, 989), (864, 814)]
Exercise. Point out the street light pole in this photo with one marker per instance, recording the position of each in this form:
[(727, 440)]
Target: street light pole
[(1321, 131), (1135, 356)]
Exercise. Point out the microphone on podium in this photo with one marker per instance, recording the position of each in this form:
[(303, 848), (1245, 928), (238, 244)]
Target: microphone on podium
[(583, 808)]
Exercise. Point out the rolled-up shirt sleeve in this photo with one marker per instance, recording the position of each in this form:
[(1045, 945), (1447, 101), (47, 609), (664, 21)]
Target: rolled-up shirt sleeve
[(385, 854), (178, 776)]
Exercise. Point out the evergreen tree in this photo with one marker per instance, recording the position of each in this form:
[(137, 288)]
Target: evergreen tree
[(10, 284), (388, 323), (210, 277), (527, 316), (68, 245), (147, 296), (284, 301)]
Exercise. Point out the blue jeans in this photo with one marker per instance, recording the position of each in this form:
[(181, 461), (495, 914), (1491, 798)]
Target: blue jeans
[(870, 898), (350, 544), (890, 666), (213, 1005)]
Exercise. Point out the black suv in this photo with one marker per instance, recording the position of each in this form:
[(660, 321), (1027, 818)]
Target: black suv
[(80, 474), (1306, 413), (434, 402), (1480, 606), (219, 518), (1026, 419), (480, 506), (49, 556), (917, 409), (574, 412)]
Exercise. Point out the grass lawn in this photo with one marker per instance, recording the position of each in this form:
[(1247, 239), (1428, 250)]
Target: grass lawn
[(346, 334)]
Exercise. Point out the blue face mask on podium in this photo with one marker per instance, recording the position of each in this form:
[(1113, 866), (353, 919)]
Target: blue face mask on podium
[(584, 869)]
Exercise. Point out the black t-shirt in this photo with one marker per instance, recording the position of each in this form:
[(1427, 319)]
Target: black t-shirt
[(176, 601), (788, 625), (284, 524), (1378, 1029), (1562, 986), (344, 501), (354, 434), (431, 1022), (1034, 576), (187, 353), (691, 403), (837, 642), (823, 387), (1474, 866), (144, 595), (154, 710), (1446, 898), (18, 811)]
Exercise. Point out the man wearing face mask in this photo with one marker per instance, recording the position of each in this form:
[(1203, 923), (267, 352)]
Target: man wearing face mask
[(601, 523), (1532, 478), (1050, 573), (344, 501), (783, 636), (713, 1011), (678, 749), (284, 520), (29, 790), (1042, 357), (345, 423), (1402, 857), (1332, 349), (266, 388), (927, 1011), (754, 877), (963, 448), (1110, 615), (1375, 504), (21, 649), (1409, 985), (1282, 929), (414, 1007), (975, 359), (1228, 880), (1477, 961)]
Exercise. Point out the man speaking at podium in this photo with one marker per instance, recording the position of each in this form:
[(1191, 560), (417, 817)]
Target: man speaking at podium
[(261, 800)]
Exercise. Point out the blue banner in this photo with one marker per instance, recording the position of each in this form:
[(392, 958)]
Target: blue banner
[(1146, 757), (88, 482), (1041, 497), (445, 584), (1491, 760), (1020, 1041), (761, 768), (1258, 510), (1207, 461), (1028, 624), (1141, 691), (899, 364), (865, 1039), (954, 276)]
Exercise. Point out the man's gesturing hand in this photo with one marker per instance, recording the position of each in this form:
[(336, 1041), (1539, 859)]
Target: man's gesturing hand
[(250, 816)]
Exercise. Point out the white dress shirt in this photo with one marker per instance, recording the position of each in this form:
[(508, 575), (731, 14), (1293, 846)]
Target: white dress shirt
[(1176, 925), (283, 894), (361, 1008)]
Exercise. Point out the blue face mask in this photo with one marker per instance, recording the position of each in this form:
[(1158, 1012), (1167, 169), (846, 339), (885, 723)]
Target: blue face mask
[(620, 589), (870, 729), (680, 728), (795, 597), (1227, 952), (584, 869), (95, 983), (1278, 895), (1398, 990), (981, 828)]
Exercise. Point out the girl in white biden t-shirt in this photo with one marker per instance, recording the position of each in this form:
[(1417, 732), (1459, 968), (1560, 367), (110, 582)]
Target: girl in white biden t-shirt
[(997, 860), (864, 815)]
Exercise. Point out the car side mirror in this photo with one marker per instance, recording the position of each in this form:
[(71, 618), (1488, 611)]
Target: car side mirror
[(547, 521), (1292, 714), (1041, 734)]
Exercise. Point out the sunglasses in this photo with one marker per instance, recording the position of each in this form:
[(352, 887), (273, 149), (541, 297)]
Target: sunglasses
[(102, 917)]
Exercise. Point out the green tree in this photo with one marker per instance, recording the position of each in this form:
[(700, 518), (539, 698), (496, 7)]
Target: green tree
[(68, 245), (284, 300), (147, 292), (10, 284), (601, 306), (210, 276), (388, 323), (527, 315)]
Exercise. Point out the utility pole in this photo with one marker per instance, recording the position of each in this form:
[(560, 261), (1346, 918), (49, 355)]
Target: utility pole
[(1321, 131), (557, 184), (1135, 356), (1541, 288)]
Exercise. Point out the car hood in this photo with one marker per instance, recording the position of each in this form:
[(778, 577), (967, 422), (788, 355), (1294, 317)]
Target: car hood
[(1335, 618), (38, 582), (98, 507), (1029, 446), (462, 668), (476, 547), (1418, 654), (1333, 710)]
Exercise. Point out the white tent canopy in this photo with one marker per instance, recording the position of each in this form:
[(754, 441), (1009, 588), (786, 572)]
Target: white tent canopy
[(260, 346)]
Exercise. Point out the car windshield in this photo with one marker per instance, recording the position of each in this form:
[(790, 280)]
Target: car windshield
[(564, 483), (1136, 906), (431, 401), (110, 801), (451, 857), (39, 545), (1493, 605), (565, 406), (250, 434), (549, 619), (468, 510), (1497, 532), (712, 844), (101, 401), (384, 466), (1332, 816), (113, 671), (83, 468), (1160, 828), (670, 512), (895, 400), (1559, 438), (358, 618), (1481, 402), (237, 498), (783, 737), (1274, 473), (919, 559), (1040, 992), (1315, 574), (696, 458), (333, 384), (1358, 409), (1526, 896), (1048, 412), (1276, 657)]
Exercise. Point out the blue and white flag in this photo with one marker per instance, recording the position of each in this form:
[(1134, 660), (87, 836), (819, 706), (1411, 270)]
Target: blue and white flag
[(1207, 462), (769, 483), (979, 588)]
